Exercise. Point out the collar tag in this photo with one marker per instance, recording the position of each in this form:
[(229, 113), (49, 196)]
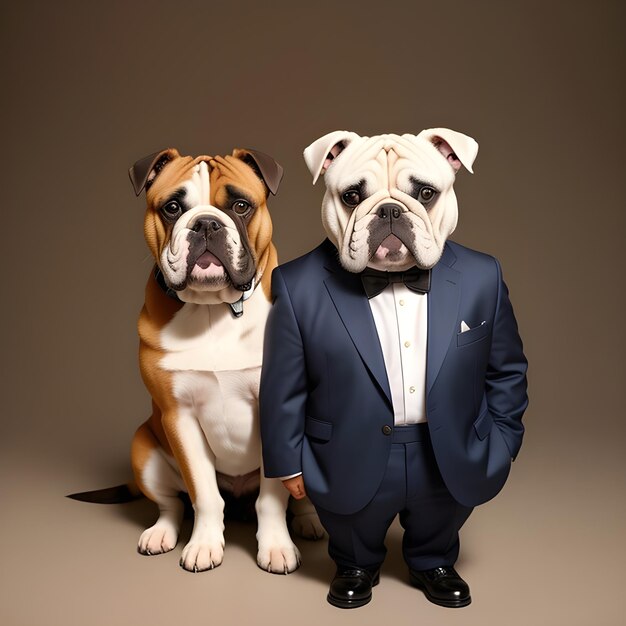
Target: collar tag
[(237, 307)]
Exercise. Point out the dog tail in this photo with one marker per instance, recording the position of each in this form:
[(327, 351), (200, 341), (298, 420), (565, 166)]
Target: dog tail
[(110, 495)]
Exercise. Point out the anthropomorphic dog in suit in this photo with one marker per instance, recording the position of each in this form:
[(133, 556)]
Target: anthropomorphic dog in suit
[(396, 380)]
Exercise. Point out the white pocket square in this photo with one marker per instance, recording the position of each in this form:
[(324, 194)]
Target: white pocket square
[(465, 327)]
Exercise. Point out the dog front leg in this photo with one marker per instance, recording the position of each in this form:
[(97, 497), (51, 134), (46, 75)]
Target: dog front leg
[(196, 461), (160, 481), (277, 553)]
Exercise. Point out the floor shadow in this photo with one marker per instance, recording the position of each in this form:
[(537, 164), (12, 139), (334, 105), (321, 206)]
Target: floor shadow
[(316, 564), (142, 512)]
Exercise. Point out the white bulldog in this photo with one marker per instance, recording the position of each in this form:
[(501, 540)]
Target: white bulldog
[(389, 201)]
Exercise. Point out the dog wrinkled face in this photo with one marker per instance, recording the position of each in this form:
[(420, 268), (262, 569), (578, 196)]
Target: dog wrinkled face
[(389, 201), (199, 214)]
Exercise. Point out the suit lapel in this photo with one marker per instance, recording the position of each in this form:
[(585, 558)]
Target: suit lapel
[(346, 292), (348, 296), (443, 308)]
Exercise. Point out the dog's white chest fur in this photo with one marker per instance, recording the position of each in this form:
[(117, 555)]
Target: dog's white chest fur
[(208, 338), (224, 404), (216, 360)]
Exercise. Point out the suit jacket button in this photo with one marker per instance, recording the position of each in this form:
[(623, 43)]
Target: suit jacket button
[(387, 430)]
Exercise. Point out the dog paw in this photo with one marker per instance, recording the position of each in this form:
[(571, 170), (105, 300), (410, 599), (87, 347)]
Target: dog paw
[(308, 526), (279, 559), (200, 557), (157, 539)]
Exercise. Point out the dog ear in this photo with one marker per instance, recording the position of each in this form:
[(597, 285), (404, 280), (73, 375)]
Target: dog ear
[(264, 165), (144, 171), (457, 148), (320, 154)]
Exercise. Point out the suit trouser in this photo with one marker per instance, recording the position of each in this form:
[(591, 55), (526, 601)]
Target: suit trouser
[(413, 488)]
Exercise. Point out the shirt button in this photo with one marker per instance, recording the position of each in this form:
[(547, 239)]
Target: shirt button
[(407, 344), (387, 430), (401, 303), (411, 389)]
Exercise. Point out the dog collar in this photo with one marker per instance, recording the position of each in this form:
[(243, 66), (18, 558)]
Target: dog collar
[(235, 307), (158, 275)]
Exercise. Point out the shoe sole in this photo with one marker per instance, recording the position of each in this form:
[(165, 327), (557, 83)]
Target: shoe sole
[(449, 604), (352, 604)]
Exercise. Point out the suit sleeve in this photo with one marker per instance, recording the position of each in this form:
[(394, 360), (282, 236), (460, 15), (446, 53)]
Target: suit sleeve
[(506, 372), (283, 391)]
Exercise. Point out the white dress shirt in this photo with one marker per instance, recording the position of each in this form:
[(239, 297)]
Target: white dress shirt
[(401, 318)]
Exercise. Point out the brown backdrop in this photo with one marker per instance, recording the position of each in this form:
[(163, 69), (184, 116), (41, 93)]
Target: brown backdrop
[(91, 87)]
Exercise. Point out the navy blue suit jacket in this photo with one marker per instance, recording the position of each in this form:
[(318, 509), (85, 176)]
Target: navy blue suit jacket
[(325, 397)]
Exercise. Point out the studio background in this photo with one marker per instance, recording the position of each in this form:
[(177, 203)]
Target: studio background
[(89, 88)]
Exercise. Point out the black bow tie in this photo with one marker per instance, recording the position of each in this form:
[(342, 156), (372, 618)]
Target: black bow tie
[(415, 279)]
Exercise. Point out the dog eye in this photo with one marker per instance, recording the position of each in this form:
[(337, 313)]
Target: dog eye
[(351, 197), (241, 207), (426, 194), (171, 210)]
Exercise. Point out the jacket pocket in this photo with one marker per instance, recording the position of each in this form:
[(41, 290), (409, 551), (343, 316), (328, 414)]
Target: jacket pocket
[(473, 334), (483, 424), (317, 429)]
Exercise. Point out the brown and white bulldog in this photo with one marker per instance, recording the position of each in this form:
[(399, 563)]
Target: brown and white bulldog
[(201, 338)]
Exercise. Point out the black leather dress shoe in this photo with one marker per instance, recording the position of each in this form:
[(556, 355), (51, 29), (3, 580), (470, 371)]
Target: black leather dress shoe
[(352, 587), (442, 586)]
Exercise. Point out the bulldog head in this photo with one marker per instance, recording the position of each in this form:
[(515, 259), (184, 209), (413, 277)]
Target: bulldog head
[(206, 222), (389, 201)]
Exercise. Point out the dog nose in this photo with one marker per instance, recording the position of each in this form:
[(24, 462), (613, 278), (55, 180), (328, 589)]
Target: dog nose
[(389, 211), (207, 224)]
